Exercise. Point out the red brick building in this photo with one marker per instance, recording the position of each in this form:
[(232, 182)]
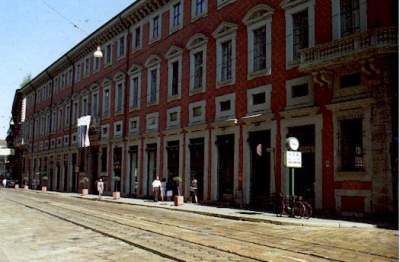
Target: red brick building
[(211, 89)]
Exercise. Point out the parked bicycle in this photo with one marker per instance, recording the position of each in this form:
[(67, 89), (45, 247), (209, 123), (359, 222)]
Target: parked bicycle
[(293, 206)]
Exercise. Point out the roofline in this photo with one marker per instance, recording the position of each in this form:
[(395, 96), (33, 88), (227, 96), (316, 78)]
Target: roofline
[(65, 55)]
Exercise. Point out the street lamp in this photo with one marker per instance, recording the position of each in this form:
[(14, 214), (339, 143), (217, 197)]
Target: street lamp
[(98, 53)]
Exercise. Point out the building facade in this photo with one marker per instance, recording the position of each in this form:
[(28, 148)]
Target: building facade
[(212, 88)]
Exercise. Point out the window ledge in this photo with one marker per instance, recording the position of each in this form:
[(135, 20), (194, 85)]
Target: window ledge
[(173, 98), (175, 29), (225, 83), (133, 109), (154, 40), (195, 18), (225, 3), (196, 91), (259, 73), (352, 173), (152, 103)]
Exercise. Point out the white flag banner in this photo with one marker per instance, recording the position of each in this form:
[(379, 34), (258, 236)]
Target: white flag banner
[(83, 131)]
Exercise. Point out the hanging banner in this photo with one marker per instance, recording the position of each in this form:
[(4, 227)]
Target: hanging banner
[(83, 131)]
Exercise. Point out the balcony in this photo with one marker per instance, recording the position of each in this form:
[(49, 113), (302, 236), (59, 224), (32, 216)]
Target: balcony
[(358, 46)]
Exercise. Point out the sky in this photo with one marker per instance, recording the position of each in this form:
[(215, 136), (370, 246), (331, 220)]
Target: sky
[(35, 33)]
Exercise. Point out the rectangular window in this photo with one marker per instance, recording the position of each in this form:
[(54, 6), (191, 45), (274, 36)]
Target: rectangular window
[(300, 32), (349, 17), (153, 86), (75, 113), (176, 15), (95, 107), (260, 49), (175, 79), (78, 72), (104, 159), (225, 105), (121, 46), (258, 98), (300, 90), (134, 94), (351, 146), (155, 32), (67, 116), (84, 107), (198, 70), (119, 98), (138, 41), (87, 66), (108, 54), (96, 64), (226, 66), (173, 116), (69, 77), (200, 7), (106, 104), (197, 111)]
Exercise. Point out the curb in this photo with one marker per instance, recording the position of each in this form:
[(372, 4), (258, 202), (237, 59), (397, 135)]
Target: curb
[(239, 218), (224, 216)]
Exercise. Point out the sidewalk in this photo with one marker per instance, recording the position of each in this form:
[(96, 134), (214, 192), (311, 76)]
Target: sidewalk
[(228, 213)]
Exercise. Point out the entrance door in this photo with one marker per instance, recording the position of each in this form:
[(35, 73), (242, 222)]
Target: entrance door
[(260, 167), (58, 182), (94, 169), (196, 147), (133, 171), (117, 168), (74, 173), (304, 178), (173, 159), (225, 167), (151, 166), (65, 176), (50, 185)]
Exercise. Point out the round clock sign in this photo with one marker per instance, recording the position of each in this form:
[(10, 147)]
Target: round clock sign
[(292, 143)]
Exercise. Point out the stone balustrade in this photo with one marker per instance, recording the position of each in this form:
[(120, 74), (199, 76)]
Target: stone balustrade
[(379, 40)]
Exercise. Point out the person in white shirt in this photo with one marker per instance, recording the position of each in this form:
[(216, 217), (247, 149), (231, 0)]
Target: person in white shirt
[(4, 183), (156, 188), (100, 187)]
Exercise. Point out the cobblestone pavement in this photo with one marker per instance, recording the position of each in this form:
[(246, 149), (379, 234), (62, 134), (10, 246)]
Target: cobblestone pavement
[(56, 228)]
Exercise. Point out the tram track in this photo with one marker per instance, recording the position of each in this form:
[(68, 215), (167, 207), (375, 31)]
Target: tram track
[(103, 214)]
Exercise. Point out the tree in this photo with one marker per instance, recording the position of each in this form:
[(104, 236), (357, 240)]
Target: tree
[(26, 80)]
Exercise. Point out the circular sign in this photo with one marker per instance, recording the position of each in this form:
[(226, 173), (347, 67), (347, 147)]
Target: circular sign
[(292, 143)]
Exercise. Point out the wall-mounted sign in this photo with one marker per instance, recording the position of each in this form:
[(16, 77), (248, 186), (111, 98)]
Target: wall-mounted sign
[(292, 159)]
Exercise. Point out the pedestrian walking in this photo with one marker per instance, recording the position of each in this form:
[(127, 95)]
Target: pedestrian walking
[(156, 188), (163, 188), (4, 182), (193, 190), (100, 187)]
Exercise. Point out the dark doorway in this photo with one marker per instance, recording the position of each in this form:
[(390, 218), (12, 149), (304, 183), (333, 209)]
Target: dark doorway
[(226, 149), (74, 173), (94, 169), (65, 176), (133, 171), (51, 178), (260, 167), (117, 168), (173, 159), (304, 178), (151, 166), (196, 147), (58, 171)]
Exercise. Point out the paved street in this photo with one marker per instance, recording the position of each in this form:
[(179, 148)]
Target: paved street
[(43, 227)]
